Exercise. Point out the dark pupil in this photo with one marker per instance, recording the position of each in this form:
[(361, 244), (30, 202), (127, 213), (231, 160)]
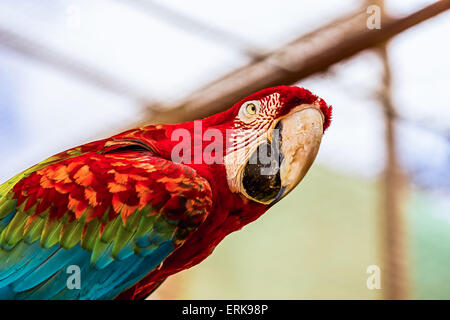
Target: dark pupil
[(252, 107)]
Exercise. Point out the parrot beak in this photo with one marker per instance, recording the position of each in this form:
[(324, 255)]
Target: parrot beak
[(301, 135), (291, 145)]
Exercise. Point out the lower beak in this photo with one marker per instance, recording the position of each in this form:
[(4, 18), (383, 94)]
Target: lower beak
[(301, 134)]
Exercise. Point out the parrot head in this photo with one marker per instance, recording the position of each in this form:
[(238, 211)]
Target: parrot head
[(251, 155), (267, 143), (275, 137)]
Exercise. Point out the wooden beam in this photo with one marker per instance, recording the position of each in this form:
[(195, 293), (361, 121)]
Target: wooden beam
[(308, 55)]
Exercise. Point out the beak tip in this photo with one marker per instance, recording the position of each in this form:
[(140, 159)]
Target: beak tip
[(279, 196)]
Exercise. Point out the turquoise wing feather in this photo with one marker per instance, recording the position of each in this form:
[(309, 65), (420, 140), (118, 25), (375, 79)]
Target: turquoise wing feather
[(115, 216)]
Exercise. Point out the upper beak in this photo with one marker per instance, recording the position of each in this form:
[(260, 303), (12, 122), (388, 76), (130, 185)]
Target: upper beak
[(301, 134)]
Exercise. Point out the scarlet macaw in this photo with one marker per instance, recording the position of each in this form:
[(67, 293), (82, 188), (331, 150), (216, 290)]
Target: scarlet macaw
[(135, 208)]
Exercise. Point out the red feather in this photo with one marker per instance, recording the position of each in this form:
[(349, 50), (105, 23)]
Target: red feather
[(99, 175)]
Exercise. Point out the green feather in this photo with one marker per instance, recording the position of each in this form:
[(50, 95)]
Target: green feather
[(99, 249), (34, 230), (122, 238), (7, 206), (13, 233), (146, 225), (111, 229), (90, 236), (163, 227), (51, 233), (133, 220), (71, 234)]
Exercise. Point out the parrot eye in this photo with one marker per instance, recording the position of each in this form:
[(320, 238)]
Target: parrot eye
[(249, 110)]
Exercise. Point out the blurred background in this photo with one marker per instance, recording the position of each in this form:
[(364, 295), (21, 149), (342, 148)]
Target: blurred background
[(73, 71)]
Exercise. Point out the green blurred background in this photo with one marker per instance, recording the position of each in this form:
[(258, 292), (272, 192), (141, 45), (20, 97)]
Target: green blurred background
[(317, 244)]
